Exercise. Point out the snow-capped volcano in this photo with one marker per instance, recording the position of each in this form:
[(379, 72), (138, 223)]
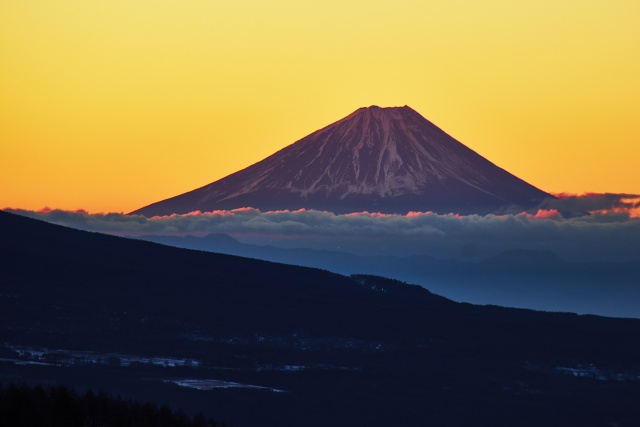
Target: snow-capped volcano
[(389, 160)]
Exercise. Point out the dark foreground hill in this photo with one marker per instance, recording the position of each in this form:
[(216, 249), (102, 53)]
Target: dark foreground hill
[(59, 406), (255, 343)]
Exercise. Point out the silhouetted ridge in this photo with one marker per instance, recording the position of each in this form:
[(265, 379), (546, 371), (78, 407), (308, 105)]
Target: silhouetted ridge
[(21, 405)]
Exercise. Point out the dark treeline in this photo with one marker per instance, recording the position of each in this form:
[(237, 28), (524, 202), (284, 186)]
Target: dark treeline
[(58, 406)]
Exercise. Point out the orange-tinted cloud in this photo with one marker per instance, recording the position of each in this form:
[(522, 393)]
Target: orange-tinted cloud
[(605, 234), (603, 203)]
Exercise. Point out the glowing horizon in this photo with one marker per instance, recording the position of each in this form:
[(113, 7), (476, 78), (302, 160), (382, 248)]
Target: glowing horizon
[(110, 106)]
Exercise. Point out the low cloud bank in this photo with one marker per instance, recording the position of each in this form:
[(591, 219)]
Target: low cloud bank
[(580, 205), (607, 230)]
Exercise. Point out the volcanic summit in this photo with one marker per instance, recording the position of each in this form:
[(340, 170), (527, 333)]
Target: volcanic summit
[(389, 160)]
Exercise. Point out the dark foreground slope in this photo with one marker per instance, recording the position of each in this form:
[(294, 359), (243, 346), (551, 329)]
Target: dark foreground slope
[(59, 406), (256, 343)]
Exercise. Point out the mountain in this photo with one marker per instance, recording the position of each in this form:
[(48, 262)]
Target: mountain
[(389, 160), (254, 343), (538, 280)]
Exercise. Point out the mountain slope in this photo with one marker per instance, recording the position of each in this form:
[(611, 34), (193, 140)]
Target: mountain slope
[(346, 350), (376, 159), (537, 280), (41, 258)]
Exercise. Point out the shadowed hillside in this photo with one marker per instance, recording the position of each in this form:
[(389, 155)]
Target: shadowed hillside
[(261, 344)]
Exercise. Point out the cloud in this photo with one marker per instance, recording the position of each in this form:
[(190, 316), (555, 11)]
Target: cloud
[(610, 232), (579, 205)]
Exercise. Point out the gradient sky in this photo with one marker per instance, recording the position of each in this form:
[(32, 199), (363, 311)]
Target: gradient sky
[(112, 105)]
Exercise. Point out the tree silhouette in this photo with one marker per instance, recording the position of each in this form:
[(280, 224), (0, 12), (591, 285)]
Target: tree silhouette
[(25, 406)]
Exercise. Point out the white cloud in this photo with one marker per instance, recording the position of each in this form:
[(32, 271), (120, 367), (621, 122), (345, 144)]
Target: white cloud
[(603, 235)]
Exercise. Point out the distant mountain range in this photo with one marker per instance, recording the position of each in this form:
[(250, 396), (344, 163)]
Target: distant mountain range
[(516, 278), (389, 160), (255, 343)]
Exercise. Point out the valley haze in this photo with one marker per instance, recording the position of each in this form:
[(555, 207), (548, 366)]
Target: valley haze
[(584, 264)]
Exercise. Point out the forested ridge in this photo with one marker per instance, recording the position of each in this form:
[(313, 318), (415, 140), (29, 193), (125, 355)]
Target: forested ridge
[(59, 406)]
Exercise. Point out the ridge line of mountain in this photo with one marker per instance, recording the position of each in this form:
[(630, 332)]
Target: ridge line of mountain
[(389, 160)]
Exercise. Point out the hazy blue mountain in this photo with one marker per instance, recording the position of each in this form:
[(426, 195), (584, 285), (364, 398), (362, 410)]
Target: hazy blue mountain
[(516, 278)]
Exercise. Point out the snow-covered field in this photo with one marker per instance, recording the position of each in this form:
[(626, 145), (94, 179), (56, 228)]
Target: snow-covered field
[(208, 384)]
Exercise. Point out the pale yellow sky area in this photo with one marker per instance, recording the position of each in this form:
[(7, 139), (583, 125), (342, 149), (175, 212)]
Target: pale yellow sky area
[(112, 105)]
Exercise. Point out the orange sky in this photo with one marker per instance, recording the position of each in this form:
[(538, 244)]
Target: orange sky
[(112, 105)]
